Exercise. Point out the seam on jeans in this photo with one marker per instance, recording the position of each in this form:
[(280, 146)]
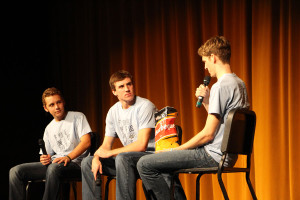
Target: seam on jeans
[(210, 156), (207, 153)]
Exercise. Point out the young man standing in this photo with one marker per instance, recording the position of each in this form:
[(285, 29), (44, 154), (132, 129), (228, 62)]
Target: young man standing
[(132, 120), (66, 141), (204, 149)]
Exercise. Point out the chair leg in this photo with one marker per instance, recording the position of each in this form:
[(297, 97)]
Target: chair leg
[(222, 186), (147, 195), (173, 187), (74, 189), (27, 190), (250, 186), (109, 178), (198, 186)]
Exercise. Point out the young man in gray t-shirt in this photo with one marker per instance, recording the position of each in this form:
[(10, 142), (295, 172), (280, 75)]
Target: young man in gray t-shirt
[(203, 150), (67, 140), (132, 120)]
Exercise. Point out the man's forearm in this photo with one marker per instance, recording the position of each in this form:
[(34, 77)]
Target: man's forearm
[(135, 146), (83, 145)]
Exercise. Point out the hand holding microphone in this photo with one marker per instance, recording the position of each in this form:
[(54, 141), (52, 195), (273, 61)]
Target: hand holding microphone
[(45, 160), (200, 98)]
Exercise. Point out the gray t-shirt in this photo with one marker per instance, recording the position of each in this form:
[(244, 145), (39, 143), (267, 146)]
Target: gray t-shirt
[(227, 93), (61, 137), (126, 123)]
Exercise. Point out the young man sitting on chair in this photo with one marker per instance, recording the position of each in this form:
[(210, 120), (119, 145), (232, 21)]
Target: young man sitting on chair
[(67, 140), (132, 120), (204, 149)]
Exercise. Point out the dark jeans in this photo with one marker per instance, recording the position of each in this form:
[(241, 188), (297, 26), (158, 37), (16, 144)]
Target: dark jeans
[(21, 174), (152, 168), (123, 166)]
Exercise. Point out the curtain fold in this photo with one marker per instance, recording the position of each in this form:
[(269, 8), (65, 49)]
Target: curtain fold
[(157, 41)]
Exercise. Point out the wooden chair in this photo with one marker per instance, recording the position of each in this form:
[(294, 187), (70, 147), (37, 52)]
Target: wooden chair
[(238, 139)]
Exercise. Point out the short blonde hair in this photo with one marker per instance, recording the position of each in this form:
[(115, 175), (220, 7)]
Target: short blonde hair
[(218, 46), (50, 92)]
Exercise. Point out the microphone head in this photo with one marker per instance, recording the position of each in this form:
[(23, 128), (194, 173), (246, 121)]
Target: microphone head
[(206, 80), (41, 142)]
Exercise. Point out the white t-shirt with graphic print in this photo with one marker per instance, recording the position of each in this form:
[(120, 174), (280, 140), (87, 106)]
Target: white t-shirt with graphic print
[(126, 123), (61, 137)]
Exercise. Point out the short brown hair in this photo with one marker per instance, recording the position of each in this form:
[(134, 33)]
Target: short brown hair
[(218, 46), (50, 92), (119, 76)]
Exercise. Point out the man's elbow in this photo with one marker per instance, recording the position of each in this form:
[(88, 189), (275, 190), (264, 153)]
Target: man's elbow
[(87, 142), (209, 138), (142, 148)]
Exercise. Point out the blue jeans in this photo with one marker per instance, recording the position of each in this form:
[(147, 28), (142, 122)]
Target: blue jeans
[(123, 166), (21, 174), (152, 167)]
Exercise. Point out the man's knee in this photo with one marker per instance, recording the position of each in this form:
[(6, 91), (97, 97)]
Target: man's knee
[(14, 172), (140, 164), (54, 169), (143, 165), (122, 160)]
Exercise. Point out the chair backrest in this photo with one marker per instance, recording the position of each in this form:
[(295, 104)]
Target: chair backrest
[(239, 132), (95, 142)]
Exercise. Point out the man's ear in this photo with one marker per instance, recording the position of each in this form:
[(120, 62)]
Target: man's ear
[(214, 58), (45, 108), (114, 92)]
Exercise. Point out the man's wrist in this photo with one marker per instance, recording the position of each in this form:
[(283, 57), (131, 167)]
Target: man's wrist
[(69, 158)]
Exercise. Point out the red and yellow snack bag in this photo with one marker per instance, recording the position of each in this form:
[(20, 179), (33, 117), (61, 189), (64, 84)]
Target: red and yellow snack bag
[(165, 130)]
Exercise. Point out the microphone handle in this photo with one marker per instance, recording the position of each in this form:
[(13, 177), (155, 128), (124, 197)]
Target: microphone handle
[(42, 146), (199, 102), (98, 179)]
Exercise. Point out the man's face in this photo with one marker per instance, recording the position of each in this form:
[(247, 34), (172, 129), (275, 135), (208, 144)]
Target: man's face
[(209, 65), (55, 105), (124, 90)]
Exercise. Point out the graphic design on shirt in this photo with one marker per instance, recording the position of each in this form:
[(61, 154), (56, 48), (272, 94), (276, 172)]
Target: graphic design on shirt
[(62, 139), (128, 132)]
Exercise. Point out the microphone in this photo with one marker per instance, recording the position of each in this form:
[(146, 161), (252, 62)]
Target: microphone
[(42, 146), (200, 99), (98, 179)]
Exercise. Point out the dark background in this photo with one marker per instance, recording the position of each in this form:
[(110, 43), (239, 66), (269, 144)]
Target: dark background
[(28, 67)]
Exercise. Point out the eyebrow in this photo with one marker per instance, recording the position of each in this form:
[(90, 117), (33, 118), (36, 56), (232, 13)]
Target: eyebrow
[(128, 83)]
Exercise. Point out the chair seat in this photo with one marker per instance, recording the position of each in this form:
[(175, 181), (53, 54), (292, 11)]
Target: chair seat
[(197, 170), (212, 170)]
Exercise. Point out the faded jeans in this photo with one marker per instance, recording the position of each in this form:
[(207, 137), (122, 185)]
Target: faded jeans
[(123, 166), (152, 167), (21, 174)]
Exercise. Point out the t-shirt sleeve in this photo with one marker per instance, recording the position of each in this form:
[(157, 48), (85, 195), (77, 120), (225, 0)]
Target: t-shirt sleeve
[(109, 125), (216, 101), (146, 115), (83, 126), (47, 144)]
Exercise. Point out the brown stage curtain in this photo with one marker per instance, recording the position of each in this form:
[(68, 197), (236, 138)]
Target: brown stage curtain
[(157, 41)]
